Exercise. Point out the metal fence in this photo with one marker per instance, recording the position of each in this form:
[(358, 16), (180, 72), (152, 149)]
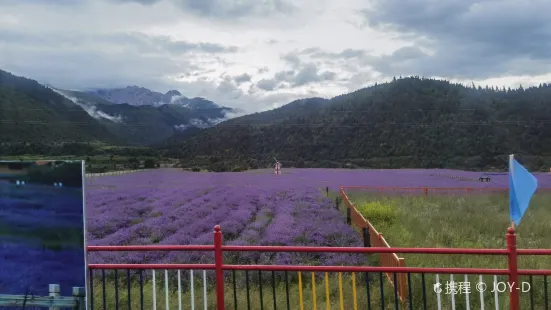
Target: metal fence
[(54, 301), (287, 286)]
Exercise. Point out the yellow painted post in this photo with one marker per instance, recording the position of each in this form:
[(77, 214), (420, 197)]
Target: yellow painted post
[(327, 300), (354, 291), (340, 291), (314, 291), (300, 291)]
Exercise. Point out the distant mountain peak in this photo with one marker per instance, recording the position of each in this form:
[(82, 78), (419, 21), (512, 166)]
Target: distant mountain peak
[(173, 92)]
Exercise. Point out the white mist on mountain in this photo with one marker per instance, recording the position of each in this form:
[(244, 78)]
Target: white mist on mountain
[(199, 123), (90, 109), (233, 114)]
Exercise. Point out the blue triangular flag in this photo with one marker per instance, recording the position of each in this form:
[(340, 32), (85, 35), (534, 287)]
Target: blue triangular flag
[(522, 185)]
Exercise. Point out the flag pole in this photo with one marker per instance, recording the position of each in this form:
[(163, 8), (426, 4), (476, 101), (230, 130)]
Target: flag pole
[(511, 158)]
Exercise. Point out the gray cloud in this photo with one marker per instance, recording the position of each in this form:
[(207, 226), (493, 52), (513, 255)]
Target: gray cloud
[(303, 74), (267, 84), (227, 9), (466, 38), (242, 78), (310, 74), (135, 41), (348, 53)]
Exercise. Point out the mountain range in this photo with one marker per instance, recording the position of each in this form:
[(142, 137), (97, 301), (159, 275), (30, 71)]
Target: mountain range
[(122, 116), (408, 122)]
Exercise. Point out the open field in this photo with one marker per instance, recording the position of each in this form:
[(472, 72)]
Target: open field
[(169, 206)]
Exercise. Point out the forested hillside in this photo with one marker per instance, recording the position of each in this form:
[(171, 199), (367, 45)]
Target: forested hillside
[(410, 122), (30, 112)]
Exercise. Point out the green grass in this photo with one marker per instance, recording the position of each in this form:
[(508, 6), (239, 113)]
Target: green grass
[(476, 221)]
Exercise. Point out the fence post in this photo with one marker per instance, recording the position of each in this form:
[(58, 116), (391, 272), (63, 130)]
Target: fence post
[(426, 190), (79, 294), (513, 269), (337, 202), (367, 240), (218, 262), (327, 190), (402, 281), (54, 293), (348, 218)]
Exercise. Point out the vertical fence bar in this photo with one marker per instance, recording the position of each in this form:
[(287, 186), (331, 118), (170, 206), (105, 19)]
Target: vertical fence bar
[(204, 289), (341, 300), (314, 291), (367, 291), (91, 271), (454, 286), (496, 296), (218, 261), (410, 298), (467, 303), (382, 290), (260, 289), (513, 269), (396, 303), (191, 286), (545, 294), (116, 290), (327, 300), (438, 292), (141, 289), (166, 289), (481, 293), (129, 288), (247, 287), (531, 294), (300, 291), (354, 296), (179, 291), (274, 289), (154, 292), (103, 289), (234, 290), (287, 290), (424, 290)]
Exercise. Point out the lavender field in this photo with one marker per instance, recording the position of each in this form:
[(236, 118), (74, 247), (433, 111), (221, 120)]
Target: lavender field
[(171, 206)]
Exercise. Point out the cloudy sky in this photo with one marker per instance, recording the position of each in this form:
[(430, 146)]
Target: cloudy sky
[(258, 54)]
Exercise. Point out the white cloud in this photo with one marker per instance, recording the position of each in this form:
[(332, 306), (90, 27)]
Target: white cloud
[(254, 55), (90, 109)]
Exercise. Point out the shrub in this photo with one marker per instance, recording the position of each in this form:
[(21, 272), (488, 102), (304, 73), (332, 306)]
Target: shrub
[(378, 211), (149, 163), (195, 169)]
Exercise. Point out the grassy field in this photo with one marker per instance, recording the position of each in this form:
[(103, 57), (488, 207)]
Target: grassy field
[(459, 221)]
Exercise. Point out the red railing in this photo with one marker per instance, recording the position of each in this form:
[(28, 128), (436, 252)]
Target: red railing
[(218, 248)]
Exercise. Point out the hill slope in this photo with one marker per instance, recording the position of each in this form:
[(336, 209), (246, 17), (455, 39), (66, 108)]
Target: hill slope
[(409, 122), (30, 112)]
